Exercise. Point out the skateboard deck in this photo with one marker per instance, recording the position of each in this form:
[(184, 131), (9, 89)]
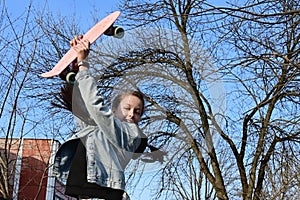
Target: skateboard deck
[(92, 35)]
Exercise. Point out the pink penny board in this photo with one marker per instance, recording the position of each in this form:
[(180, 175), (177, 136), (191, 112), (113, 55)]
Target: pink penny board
[(92, 35)]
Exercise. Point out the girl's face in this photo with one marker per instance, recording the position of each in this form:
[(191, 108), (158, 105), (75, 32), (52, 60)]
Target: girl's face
[(129, 109)]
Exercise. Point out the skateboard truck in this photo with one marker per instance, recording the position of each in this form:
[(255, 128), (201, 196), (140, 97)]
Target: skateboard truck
[(115, 31)]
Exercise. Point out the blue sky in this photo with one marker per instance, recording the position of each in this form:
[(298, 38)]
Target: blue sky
[(66, 6), (84, 9)]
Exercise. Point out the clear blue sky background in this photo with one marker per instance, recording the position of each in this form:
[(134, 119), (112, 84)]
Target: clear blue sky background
[(83, 8), (65, 7)]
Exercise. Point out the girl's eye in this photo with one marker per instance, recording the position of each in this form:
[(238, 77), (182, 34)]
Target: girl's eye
[(138, 112)]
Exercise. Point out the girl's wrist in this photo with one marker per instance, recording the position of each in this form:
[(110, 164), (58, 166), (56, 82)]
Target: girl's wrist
[(83, 65)]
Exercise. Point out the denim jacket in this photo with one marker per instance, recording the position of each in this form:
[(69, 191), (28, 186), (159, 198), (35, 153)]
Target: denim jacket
[(109, 143)]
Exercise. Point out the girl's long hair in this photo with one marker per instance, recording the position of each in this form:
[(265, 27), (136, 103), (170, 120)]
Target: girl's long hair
[(64, 98)]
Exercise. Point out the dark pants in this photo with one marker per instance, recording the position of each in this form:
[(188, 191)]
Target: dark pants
[(77, 185)]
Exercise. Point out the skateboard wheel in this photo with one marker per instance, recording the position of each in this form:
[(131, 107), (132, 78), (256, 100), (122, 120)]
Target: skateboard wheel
[(119, 32), (115, 31), (70, 78)]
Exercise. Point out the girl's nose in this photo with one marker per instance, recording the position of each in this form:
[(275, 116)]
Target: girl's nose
[(130, 113)]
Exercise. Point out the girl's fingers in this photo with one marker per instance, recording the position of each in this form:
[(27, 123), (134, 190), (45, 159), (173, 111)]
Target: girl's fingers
[(81, 46), (78, 40), (72, 43), (86, 44)]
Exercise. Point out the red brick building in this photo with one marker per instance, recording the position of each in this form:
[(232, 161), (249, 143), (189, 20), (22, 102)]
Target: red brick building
[(31, 163)]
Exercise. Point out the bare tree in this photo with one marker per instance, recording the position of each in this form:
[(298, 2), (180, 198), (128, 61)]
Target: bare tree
[(181, 55), (254, 49), (265, 65), (14, 74), (22, 113)]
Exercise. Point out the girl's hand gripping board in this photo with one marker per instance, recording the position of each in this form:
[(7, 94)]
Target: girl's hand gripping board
[(105, 26)]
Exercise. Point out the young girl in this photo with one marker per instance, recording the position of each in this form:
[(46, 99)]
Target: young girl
[(94, 159)]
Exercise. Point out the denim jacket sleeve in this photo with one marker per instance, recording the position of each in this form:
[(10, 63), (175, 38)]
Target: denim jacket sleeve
[(122, 134)]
